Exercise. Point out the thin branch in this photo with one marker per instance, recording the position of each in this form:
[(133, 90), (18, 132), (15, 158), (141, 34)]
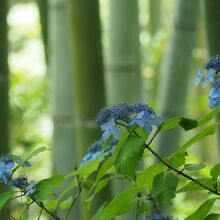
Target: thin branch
[(180, 172)]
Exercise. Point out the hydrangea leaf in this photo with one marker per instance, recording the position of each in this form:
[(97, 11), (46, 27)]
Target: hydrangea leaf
[(4, 197), (202, 211), (215, 171), (86, 169), (212, 216), (188, 124), (164, 187), (209, 116), (143, 208), (177, 159), (205, 132), (44, 190), (66, 203), (115, 206), (129, 155), (193, 167), (57, 179), (145, 177), (169, 124)]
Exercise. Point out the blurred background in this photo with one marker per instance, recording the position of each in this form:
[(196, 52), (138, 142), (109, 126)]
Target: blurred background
[(61, 61)]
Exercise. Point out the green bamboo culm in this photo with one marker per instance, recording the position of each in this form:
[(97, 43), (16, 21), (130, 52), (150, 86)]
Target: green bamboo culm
[(88, 79), (123, 75), (211, 9), (60, 69), (176, 70), (4, 87), (43, 12), (155, 14)]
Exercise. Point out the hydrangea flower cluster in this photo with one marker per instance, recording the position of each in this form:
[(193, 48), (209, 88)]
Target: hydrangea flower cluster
[(23, 184), (6, 166), (108, 118), (139, 114), (211, 75)]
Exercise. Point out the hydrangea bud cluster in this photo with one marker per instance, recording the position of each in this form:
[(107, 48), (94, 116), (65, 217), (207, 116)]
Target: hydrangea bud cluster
[(23, 184), (160, 217), (211, 75)]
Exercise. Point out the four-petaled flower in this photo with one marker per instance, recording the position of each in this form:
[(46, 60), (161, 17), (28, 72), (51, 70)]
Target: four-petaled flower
[(6, 166)]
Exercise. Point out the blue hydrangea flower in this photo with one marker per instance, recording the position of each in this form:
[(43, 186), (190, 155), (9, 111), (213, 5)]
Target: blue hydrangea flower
[(6, 166), (31, 188), (212, 70), (109, 129), (24, 164), (145, 120)]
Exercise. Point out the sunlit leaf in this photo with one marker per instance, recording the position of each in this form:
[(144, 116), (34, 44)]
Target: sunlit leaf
[(202, 211), (4, 197), (129, 155), (193, 167), (215, 171)]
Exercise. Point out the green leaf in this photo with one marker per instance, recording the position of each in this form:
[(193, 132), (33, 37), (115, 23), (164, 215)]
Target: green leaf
[(209, 116), (207, 131), (35, 153), (4, 197), (121, 142), (188, 124), (212, 216), (143, 208), (145, 177), (104, 167), (115, 206), (129, 155), (169, 124), (57, 179), (164, 187), (202, 211), (192, 167), (140, 131), (66, 203), (192, 186), (86, 169), (215, 171), (44, 190), (177, 159)]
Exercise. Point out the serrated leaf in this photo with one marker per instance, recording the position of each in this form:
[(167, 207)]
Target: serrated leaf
[(4, 197), (145, 177), (209, 116), (193, 167), (164, 187), (66, 203), (115, 206), (202, 211), (215, 171), (192, 186), (207, 131), (213, 216), (177, 159), (129, 155), (44, 190)]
